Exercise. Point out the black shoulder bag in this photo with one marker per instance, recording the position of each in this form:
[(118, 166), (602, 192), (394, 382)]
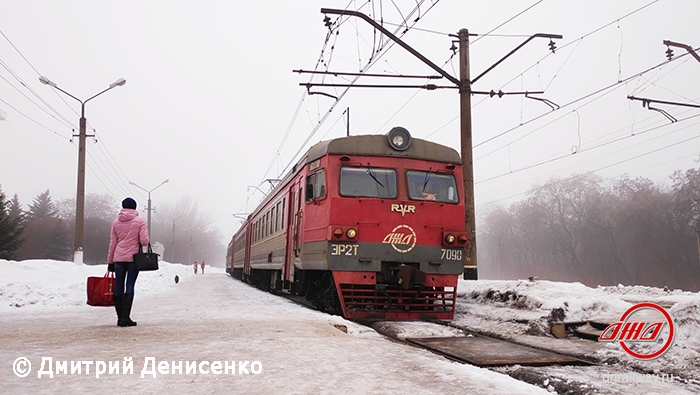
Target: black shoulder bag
[(146, 261)]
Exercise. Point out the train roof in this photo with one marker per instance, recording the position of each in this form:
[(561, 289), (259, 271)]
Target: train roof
[(366, 145), (377, 145)]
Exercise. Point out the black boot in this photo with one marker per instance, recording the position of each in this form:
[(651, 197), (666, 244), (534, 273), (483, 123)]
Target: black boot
[(118, 306), (126, 310)]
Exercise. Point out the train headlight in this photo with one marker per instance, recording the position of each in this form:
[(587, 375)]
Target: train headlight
[(399, 138), (449, 238), (338, 233), (351, 233), (462, 239)]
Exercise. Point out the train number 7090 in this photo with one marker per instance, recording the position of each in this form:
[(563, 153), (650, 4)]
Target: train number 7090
[(451, 255)]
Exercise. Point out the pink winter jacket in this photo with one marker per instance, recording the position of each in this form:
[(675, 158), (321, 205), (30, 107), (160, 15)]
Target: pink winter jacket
[(129, 231)]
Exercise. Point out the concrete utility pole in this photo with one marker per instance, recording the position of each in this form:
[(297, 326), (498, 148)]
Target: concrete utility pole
[(465, 127), (172, 244), (80, 196), (149, 202)]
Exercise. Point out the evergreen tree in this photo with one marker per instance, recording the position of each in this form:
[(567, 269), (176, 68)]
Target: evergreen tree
[(10, 227), (47, 236), (42, 207), (16, 212)]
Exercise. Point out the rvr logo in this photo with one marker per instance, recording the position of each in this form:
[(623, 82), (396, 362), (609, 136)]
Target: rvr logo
[(403, 209)]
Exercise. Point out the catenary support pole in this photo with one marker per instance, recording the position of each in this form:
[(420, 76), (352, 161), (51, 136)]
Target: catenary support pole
[(465, 115)]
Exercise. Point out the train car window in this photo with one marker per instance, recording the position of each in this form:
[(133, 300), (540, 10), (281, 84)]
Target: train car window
[(315, 186), (427, 185), (278, 223), (283, 206), (368, 182), (273, 226)]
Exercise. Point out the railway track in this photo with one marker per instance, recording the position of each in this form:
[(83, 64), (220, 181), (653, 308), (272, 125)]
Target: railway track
[(577, 374)]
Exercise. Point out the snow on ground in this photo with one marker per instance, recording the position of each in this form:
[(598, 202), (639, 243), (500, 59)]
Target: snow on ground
[(213, 317), (207, 318), (524, 310), (47, 284)]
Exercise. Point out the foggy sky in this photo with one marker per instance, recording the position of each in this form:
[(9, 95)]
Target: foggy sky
[(210, 92)]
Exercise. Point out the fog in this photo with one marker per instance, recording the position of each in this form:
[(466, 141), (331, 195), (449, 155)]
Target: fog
[(212, 105)]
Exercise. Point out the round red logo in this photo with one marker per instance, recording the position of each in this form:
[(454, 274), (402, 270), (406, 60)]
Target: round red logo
[(627, 330)]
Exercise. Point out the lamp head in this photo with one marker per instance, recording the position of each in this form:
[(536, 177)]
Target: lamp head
[(118, 82)]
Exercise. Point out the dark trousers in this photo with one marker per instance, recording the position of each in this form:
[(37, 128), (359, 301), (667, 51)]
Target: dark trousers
[(125, 271)]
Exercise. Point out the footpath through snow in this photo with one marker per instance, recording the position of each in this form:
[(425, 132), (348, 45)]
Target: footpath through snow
[(206, 318)]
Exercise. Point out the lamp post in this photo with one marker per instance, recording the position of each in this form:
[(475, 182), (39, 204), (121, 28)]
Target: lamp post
[(149, 201), (80, 198), (172, 253), (189, 255)]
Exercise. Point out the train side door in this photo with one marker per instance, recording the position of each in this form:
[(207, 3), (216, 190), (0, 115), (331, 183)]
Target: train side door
[(248, 242), (293, 247)]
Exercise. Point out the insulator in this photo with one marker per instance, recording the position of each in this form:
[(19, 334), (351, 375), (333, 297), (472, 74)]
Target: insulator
[(552, 45), (327, 21), (669, 53)]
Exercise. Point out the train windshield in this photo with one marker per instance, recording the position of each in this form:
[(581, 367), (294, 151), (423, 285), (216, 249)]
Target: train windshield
[(368, 182), (426, 185)]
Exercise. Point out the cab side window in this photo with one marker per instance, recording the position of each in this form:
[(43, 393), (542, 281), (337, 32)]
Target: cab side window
[(315, 186)]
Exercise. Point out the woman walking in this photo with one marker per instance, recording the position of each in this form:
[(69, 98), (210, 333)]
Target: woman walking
[(129, 233)]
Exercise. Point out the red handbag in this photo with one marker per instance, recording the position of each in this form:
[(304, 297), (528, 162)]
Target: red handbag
[(100, 290)]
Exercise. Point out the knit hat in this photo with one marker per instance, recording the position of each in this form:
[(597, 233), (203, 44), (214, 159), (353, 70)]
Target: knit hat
[(129, 203)]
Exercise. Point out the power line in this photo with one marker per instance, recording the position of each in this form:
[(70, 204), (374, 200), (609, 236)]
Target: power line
[(33, 102), (36, 122)]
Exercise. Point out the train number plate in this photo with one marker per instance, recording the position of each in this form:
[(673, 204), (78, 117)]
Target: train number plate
[(344, 249), (451, 255)]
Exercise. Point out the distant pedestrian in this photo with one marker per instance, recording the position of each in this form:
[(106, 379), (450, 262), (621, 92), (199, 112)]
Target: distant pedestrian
[(129, 232), (194, 265), (203, 267)]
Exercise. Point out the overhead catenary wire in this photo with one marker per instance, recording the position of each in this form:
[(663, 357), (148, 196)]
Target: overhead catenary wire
[(565, 45), (602, 168), (389, 44)]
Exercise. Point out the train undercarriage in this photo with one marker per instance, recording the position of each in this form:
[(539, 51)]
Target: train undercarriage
[(400, 291)]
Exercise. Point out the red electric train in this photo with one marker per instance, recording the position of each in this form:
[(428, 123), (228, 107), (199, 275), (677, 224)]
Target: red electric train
[(369, 227)]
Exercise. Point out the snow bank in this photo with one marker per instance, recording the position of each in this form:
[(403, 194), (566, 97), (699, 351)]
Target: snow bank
[(526, 308), (47, 284)]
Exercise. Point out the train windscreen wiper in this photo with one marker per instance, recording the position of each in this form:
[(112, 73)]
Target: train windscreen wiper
[(427, 178), (371, 174)]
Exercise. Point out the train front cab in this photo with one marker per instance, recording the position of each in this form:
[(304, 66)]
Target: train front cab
[(390, 229)]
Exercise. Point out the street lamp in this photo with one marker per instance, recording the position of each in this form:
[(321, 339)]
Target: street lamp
[(172, 253), (149, 201), (80, 198)]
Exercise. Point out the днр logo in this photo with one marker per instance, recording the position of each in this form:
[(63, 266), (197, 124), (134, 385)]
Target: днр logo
[(631, 331), (402, 238)]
